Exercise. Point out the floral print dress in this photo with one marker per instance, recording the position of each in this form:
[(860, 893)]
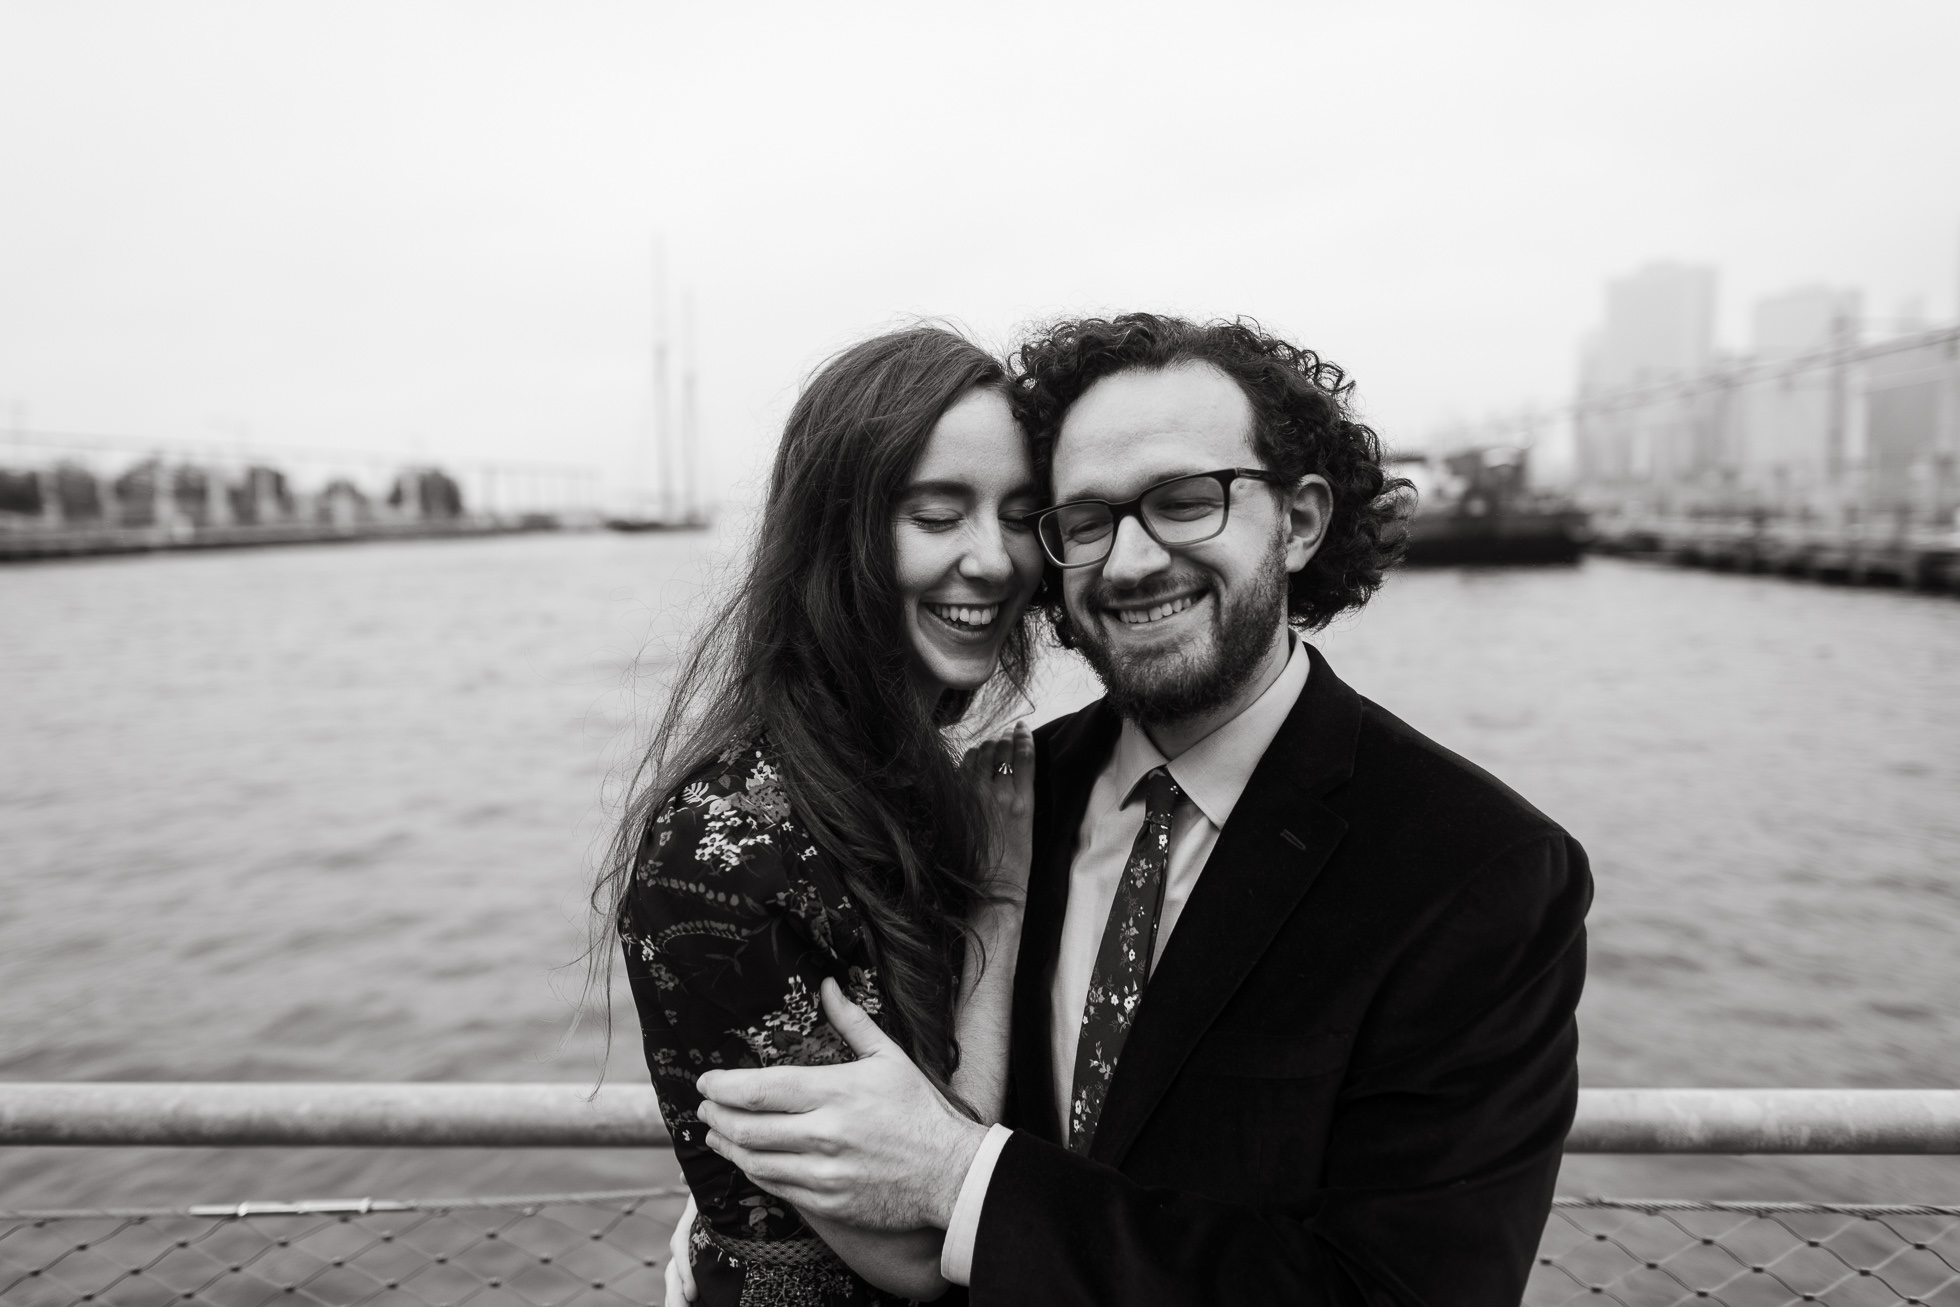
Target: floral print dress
[(730, 924)]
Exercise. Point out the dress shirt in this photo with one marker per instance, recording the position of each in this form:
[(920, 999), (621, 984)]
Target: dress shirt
[(1212, 775)]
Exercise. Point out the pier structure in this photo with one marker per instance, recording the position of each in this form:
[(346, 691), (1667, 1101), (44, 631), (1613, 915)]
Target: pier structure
[(1912, 558), (66, 495), (611, 1247)]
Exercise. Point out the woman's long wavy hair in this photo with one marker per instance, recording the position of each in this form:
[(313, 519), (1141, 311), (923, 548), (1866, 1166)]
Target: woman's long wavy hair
[(811, 649)]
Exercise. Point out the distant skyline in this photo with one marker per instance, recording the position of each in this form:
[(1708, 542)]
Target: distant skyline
[(428, 227)]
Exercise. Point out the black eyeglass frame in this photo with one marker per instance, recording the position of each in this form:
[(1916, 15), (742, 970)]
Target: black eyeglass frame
[(1133, 507)]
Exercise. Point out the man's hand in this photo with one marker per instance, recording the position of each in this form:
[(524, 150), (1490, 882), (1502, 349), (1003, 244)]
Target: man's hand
[(869, 1143)]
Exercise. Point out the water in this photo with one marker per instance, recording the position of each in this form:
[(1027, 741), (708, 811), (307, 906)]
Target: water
[(329, 814)]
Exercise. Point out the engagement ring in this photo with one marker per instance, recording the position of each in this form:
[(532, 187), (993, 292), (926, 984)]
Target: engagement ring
[(1003, 769)]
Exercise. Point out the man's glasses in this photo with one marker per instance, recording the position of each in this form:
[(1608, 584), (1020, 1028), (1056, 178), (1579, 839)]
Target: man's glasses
[(1185, 510)]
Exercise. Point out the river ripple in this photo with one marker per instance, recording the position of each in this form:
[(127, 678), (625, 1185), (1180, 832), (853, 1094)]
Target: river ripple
[(328, 814)]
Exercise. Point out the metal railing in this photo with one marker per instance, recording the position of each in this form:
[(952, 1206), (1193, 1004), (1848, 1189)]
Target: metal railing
[(218, 1115), (553, 1115), (575, 1249)]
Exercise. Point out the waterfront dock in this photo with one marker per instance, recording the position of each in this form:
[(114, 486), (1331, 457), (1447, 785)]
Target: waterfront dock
[(100, 541), (66, 496), (1913, 558)]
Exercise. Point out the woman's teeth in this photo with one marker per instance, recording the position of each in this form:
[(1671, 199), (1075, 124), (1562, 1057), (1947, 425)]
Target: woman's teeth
[(1139, 616), (965, 614)]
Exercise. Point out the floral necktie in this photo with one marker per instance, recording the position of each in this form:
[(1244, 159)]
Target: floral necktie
[(1123, 962)]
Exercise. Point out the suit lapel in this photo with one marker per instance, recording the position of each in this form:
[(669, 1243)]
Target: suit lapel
[(1065, 773), (1279, 836)]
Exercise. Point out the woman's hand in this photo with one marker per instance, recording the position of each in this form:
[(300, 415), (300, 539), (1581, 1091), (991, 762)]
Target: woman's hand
[(680, 1271), (1002, 773)]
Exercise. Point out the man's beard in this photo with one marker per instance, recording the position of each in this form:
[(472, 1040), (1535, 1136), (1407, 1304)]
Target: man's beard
[(1174, 685)]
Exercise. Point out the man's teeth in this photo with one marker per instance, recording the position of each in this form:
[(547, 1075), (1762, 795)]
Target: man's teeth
[(965, 614), (1141, 616)]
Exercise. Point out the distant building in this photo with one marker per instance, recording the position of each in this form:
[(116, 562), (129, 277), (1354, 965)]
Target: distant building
[(79, 496), (20, 494), (341, 503), (1811, 423), (1804, 320), (1659, 327), (1790, 425), (426, 494), (1907, 448), (260, 497), (1660, 323), (195, 494)]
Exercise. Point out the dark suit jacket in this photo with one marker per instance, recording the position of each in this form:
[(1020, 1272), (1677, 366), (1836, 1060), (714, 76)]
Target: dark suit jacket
[(1352, 1072)]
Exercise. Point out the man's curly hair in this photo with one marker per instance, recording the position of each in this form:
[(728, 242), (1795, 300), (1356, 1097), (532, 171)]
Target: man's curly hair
[(1302, 423)]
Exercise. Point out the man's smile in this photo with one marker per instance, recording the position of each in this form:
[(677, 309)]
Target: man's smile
[(1155, 610)]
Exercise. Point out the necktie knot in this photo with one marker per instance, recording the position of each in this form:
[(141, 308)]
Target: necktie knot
[(1160, 794)]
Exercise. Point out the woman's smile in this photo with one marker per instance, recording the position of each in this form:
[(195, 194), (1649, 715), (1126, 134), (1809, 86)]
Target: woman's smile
[(964, 617)]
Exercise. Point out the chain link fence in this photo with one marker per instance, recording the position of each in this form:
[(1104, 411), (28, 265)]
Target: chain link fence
[(609, 1248), (1669, 1253), (585, 1249)]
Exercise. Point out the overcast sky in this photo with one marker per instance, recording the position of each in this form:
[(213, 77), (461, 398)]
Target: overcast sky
[(428, 227)]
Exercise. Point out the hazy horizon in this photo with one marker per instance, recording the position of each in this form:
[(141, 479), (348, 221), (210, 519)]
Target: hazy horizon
[(429, 228)]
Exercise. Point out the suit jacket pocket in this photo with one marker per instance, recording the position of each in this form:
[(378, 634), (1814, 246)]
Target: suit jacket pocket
[(1271, 1055)]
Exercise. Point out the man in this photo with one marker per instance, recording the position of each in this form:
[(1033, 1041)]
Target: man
[(1293, 1015)]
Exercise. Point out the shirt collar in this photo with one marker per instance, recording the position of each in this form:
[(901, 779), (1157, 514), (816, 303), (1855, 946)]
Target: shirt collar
[(1213, 772)]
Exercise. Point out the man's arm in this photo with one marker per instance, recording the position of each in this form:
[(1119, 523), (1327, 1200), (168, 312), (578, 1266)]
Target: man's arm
[(1436, 1181), (1440, 1162)]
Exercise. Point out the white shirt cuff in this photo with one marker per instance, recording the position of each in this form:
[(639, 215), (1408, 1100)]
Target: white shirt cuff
[(956, 1254)]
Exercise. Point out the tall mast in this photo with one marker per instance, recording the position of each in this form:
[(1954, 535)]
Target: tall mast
[(690, 444), (662, 443)]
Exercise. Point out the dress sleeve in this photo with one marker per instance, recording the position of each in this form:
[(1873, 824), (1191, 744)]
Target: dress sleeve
[(726, 944)]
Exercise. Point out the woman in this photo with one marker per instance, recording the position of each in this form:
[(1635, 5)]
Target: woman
[(805, 816)]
